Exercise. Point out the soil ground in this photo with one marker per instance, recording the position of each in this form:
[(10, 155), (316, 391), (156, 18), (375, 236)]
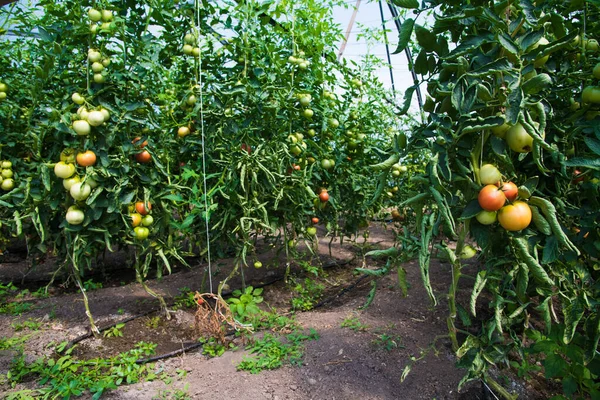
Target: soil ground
[(342, 364)]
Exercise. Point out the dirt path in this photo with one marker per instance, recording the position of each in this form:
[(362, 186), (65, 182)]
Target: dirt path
[(362, 363)]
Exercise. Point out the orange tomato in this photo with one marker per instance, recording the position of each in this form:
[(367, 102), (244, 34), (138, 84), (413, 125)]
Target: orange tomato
[(491, 198), (515, 217)]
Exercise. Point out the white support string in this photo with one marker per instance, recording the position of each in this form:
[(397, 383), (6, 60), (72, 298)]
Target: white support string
[(210, 284)]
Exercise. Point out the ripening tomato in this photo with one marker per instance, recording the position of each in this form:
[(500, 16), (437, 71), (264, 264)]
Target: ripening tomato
[(139, 145), (491, 198), (315, 220), (324, 196), (144, 157), (86, 159), (143, 208), (136, 219), (515, 217), (510, 191), (247, 148)]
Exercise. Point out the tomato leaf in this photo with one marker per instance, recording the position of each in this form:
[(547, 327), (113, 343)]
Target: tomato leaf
[(501, 65), (471, 209), (426, 38), (593, 163), (593, 144), (406, 30), (407, 100), (480, 282), (406, 3), (402, 283), (515, 103), (550, 253), (572, 312), (537, 84), (508, 44)]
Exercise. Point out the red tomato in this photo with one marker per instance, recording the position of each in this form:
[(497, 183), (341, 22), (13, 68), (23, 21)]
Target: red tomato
[(143, 157), (315, 220), (491, 198), (137, 144), (510, 191), (247, 148), (324, 196), (515, 217), (142, 208), (86, 159)]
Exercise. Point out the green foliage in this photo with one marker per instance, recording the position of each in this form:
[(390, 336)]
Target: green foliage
[(486, 64), (30, 324), (387, 342), (67, 377), (114, 331), (306, 295), (214, 348), (153, 322), (173, 394), (354, 323), (185, 299), (244, 304), (90, 285), (271, 352)]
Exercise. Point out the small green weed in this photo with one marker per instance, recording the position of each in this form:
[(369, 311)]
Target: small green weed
[(213, 348), (173, 394), (245, 304), (115, 331), (272, 352), (307, 295), (354, 324), (153, 322), (185, 299), (13, 343), (15, 308), (120, 311), (30, 324), (387, 342), (275, 322), (90, 285), (66, 376)]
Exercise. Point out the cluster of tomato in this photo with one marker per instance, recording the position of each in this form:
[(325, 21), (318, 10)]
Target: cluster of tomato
[(493, 197), (190, 45), (3, 91), (79, 188), (87, 117), (141, 219), (6, 178), (101, 21), (300, 61)]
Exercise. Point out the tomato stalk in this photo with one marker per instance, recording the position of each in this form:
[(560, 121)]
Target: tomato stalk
[(77, 277), (140, 275)]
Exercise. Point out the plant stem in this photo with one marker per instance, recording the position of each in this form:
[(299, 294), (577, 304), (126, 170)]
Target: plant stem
[(161, 300), (77, 277)]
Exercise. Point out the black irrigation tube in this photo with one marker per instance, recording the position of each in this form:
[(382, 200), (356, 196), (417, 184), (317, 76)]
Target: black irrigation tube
[(342, 292), (195, 345)]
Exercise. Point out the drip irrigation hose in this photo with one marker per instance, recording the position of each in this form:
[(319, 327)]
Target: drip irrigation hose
[(228, 293), (341, 293)]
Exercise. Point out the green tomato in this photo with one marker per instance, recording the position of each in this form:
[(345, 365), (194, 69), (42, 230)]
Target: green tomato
[(94, 15), (74, 215), (141, 232), (487, 217), (489, 174), (147, 220), (258, 264), (518, 139), (8, 184), (311, 231), (80, 191)]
